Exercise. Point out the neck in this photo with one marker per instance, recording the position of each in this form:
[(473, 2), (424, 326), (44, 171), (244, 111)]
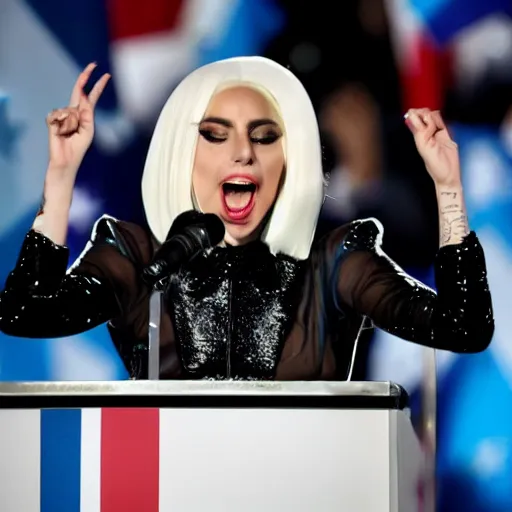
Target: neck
[(255, 235)]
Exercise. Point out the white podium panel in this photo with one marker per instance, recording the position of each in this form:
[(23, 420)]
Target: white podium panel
[(151, 446)]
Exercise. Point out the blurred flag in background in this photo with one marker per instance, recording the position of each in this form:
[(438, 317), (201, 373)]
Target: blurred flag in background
[(454, 43), (148, 47)]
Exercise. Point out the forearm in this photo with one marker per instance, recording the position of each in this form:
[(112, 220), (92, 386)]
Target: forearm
[(42, 300), (53, 216), (453, 218), (457, 318), (80, 303)]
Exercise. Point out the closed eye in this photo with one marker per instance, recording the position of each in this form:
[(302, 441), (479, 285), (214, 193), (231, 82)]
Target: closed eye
[(266, 140), (212, 137)]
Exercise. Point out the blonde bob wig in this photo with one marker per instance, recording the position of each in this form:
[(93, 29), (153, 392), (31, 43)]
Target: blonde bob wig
[(167, 179)]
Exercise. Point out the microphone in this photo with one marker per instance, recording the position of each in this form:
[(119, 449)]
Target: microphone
[(190, 233)]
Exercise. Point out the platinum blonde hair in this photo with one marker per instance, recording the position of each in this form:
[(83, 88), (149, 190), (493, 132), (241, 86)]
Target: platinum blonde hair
[(167, 179)]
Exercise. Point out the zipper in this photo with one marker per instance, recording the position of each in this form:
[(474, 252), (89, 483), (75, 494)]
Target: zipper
[(230, 327)]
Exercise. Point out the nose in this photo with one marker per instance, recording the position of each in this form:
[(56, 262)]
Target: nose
[(243, 152)]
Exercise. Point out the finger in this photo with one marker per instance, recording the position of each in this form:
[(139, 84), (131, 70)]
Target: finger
[(424, 113), (430, 125), (414, 122), (62, 121), (441, 125), (56, 115), (98, 89), (78, 89), (86, 118), (428, 116), (69, 125), (438, 119), (51, 120)]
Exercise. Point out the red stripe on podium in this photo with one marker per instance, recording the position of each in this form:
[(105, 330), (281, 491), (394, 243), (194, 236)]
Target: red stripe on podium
[(129, 460)]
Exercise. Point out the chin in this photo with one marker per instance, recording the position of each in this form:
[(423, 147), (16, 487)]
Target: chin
[(240, 235)]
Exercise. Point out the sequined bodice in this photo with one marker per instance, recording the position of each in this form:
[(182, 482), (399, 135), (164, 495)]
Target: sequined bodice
[(232, 308)]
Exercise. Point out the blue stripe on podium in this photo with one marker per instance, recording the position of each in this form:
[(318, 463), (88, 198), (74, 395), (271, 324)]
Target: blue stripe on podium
[(60, 460)]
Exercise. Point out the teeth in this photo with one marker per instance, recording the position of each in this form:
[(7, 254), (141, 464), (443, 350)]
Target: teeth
[(239, 182)]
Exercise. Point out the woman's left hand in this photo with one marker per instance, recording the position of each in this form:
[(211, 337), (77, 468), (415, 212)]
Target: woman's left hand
[(439, 152)]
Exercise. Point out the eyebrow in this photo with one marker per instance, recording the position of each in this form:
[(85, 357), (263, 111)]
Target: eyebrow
[(228, 124)]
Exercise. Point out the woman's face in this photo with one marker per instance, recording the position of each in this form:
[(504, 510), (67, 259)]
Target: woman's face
[(239, 161)]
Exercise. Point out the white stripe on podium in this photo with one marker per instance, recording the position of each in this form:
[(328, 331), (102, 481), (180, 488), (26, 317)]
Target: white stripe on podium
[(20, 461), (277, 460), (90, 473)]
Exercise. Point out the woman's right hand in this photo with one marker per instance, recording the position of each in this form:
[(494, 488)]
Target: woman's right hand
[(71, 129)]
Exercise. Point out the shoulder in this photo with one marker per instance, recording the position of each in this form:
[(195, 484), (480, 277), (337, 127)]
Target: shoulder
[(358, 235), (128, 239), (116, 253)]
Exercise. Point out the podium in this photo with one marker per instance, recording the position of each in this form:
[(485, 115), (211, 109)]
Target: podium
[(216, 446)]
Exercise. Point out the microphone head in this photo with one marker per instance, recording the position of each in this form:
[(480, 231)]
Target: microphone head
[(207, 229), (184, 220), (190, 233), (214, 228)]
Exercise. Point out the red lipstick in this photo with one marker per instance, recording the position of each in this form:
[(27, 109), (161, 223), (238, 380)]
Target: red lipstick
[(238, 184)]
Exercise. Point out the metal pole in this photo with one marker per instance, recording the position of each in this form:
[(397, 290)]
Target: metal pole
[(155, 315)]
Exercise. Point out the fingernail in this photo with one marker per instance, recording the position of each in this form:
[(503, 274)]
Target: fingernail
[(406, 115), (63, 116)]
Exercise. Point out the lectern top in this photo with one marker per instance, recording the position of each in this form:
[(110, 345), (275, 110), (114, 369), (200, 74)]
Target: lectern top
[(204, 393)]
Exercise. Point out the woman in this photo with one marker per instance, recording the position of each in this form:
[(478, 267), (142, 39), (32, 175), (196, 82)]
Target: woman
[(239, 138)]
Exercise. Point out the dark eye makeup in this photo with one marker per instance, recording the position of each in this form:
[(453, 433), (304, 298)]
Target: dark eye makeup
[(211, 136), (258, 135)]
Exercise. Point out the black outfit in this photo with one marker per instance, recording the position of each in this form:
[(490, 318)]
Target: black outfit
[(243, 313)]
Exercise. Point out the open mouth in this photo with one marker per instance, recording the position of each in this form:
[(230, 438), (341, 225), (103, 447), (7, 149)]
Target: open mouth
[(238, 197)]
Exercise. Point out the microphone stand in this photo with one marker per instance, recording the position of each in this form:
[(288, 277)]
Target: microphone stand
[(155, 319), (155, 316)]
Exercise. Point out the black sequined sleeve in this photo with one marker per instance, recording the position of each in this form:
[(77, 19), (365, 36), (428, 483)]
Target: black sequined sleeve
[(459, 317), (41, 300)]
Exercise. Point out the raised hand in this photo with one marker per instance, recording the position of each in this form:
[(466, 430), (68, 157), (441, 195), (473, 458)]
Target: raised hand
[(441, 157), (439, 152), (71, 129)]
